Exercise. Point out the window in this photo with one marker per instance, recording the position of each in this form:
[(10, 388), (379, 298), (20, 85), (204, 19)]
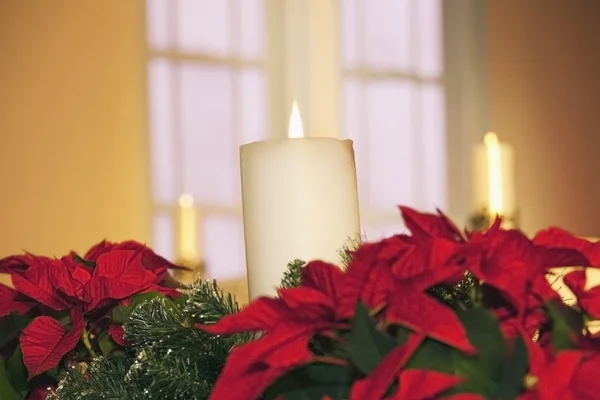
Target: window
[(393, 106), (207, 96), (207, 89)]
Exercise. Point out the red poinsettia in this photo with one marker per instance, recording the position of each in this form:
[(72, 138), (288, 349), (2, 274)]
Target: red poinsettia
[(381, 334), (289, 322), (56, 303), (588, 300), (45, 341)]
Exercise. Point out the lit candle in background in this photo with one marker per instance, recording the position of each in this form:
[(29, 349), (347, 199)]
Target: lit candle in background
[(300, 200), (493, 177), (494, 167), (188, 235), (295, 129)]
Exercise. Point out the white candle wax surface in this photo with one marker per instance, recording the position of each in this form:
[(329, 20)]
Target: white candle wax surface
[(493, 178), (299, 201)]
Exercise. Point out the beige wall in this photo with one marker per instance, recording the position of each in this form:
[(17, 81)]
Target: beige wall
[(544, 86), (72, 142)]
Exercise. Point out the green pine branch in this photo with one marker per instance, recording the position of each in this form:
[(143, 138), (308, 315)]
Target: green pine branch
[(459, 296), (207, 303), (168, 358), (292, 277), (102, 380), (345, 253)]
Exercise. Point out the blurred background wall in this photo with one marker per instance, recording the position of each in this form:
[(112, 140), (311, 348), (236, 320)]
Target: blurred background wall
[(73, 151), (543, 59)]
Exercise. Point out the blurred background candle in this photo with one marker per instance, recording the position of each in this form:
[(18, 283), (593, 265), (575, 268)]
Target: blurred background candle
[(493, 177), (188, 235), (300, 201)]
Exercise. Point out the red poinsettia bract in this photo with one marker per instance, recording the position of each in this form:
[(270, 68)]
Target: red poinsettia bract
[(61, 296), (45, 341), (392, 279), (288, 322)]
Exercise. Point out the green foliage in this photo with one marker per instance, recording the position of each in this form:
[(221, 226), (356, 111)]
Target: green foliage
[(513, 375), (168, 358), (480, 221), (7, 391), (207, 303), (314, 381), (367, 345), (491, 372), (459, 296), (487, 370), (106, 344), (292, 277), (105, 378), (567, 325), (345, 253), (16, 371), (121, 314), (171, 359), (82, 261), (11, 325)]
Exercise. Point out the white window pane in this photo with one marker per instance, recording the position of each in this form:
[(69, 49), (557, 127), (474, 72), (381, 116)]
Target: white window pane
[(433, 145), (224, 247), (158, 23), (204, 26), (209, 147), (353, 125), (388, 34), (163, 240), (251, 28), (429, 24), (391, 135), (349, 32), (253, 92), (160, 93)]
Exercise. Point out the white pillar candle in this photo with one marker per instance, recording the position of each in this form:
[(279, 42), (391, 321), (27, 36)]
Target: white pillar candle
[(493, 177), (299, 199), (187, 232)]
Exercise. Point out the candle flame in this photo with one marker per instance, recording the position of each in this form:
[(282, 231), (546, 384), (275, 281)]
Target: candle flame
[(295, 129), (186, 201), (494, 173)]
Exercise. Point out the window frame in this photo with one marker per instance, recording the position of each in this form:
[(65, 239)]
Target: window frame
[(171, 209), (294, 24)]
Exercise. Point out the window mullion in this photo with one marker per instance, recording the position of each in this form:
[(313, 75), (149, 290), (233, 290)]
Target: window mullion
[(234, 61), (368, 73)]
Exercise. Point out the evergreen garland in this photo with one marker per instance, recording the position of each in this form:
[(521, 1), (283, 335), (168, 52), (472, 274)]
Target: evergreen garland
[(293, 274), (170, 359), (103, 379), (459, 296)]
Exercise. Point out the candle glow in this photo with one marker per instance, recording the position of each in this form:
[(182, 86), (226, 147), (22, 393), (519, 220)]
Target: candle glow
[(187, 229), (186, 201), (494, 173), (295, 129)]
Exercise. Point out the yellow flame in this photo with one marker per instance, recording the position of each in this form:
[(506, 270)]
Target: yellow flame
[(186, 200), (494, 173), (295, 130)]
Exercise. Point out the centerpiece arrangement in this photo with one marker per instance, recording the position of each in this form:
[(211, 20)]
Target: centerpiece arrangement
[(375, 329), (63, 313), (432, 313)]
